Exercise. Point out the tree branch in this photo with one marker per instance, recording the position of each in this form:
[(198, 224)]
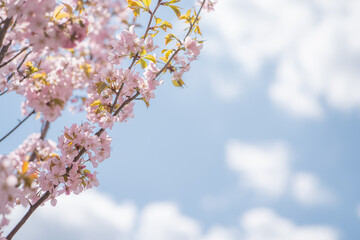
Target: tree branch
[(27, 215), (21, 122), (7, 62)]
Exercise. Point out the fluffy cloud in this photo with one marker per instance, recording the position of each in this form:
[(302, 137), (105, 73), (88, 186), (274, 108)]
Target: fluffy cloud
[(163, 221), (308, 190), (86, 217), (265, 224), (266, 169), (315, 46), (90, 215), (262, 167)]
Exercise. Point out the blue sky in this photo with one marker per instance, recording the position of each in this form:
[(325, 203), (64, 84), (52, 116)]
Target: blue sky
[(262, 144)]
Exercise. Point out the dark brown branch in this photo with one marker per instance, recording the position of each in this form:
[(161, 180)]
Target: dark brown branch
[(4, 50), (18, 125), (3, 30)]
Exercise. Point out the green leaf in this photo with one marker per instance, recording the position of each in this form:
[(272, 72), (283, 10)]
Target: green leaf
[(169, 38), (95, 103), (100, 86), (147, 2), (58, 10), (143, 63), (151, 58), (178, 83), (176, 10)]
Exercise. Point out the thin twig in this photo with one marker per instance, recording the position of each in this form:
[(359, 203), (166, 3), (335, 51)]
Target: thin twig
[(178, 50), (147, 31), (7, 62), (18, 125), (116, 98)]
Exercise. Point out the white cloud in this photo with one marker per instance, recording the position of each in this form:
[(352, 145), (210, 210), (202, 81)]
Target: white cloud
[(265, 224), (262, 167), (90, 215), (221, 233), (358, 211), (163, 221), (315, 45), (93, 215), (306, 189), (266, 169)]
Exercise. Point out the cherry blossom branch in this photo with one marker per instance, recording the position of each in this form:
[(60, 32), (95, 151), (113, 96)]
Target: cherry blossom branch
[(151, 18), (18, 125), (188, 33), (152, 13), (3, 30), (117, 97), (129, 99), (4, 50), (47, 193)]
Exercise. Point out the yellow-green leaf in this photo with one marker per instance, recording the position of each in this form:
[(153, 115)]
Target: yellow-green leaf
[(39, 75), (151, 58), (143, 52), (68, 136), (95, 103), (62, 15), (147, 2), (197, 30), (176, 10), (167, 54), (165, 25), (69, 8), (163, 58), (178, 83), (169, 38), (58, 10), (100, 86), (158, 20), (143, 63)]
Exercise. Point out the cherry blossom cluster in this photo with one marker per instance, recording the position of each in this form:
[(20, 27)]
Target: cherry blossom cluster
[(66, 173), (19, 176), (41, 30), (37, 65), (113, 87)]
